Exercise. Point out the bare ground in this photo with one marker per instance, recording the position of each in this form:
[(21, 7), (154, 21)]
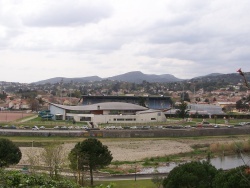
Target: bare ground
[(136, 149)]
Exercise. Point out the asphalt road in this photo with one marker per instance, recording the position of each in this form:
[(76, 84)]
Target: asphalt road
[(130, 177)]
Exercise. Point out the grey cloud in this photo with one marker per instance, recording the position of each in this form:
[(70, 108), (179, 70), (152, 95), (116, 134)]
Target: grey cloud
[(3, 45), (9, 35), (201, 23), (68, 15), (184, 30), (202, 40), (104, 46)]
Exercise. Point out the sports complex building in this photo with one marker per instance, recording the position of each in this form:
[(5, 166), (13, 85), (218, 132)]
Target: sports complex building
[(114, 109), (126, 109)]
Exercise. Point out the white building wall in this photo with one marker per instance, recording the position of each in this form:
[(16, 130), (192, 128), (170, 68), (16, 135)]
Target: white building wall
[(106, 112), (139, 118), (75, 116), (152, 117), (113, 118)]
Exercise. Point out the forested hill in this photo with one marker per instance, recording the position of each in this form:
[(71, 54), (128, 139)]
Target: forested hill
[(232, 78)]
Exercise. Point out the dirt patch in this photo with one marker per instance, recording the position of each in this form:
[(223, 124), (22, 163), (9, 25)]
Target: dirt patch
[(138, 150), (12, 116), (134, 149)]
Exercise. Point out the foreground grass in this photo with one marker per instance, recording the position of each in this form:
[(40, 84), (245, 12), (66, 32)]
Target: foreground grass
[(129, 183)]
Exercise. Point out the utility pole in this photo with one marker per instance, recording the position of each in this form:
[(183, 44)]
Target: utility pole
[(61, 85), (70, 97), (71, 83), (183, 92), (135, 170)]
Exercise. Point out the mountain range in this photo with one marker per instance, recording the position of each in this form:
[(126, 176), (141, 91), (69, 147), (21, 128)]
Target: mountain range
[(138, 77), (134, 77)]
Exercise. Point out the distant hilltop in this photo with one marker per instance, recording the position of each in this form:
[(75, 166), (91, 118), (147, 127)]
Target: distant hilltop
[(134, 77), (139, 77)]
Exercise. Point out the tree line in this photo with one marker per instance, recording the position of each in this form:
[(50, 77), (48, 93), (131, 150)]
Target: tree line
[(86, 156)]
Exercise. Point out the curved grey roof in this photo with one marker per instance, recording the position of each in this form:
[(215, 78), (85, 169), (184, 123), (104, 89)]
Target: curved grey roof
[(148, 111), (103, 106)]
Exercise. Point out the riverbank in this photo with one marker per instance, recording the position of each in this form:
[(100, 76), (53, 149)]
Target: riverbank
[(140, 152)]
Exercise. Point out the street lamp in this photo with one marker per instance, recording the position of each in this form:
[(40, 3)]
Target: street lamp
[(135, 168), (135, 171), (21, 106)]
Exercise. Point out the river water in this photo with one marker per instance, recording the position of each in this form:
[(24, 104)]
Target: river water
[(223, 162)]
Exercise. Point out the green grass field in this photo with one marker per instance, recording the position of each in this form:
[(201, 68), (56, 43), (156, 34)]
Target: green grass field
[(129, 183)]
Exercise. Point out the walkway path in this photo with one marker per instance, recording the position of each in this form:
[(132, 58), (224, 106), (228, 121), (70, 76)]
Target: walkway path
[(29, 118)]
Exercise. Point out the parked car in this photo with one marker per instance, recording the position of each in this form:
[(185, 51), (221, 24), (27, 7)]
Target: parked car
[(6, 127), (168, 126), (42, 127), (84, 127), (203, 124), (139, 127), (146, 127), (238, 125), (12, 127), (35, 128), (244, 123), (110, 127), (177, 127), (63, 128), (92, 129)]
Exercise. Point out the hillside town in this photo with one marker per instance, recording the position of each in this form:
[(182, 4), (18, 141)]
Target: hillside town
[(34, 97)]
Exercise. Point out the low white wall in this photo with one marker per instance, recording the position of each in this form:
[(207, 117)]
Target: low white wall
[(139, 118)]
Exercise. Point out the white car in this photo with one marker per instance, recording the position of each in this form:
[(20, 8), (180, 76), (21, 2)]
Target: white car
[(187, 126), (35, 128), (64, 128), (84, 127)]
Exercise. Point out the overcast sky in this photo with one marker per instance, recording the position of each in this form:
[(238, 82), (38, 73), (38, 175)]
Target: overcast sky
[(64, 38)]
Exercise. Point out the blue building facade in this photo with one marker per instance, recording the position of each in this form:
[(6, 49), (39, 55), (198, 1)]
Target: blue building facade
[(152, 102)]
